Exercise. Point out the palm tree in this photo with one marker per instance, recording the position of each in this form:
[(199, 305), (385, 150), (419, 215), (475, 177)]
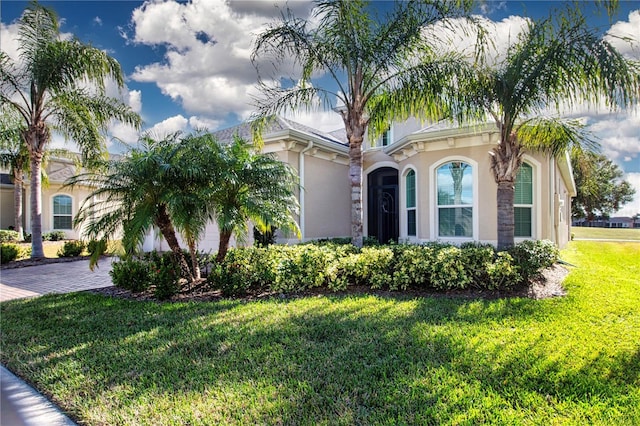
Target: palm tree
[(556, 61), (131, 195), (374, 64), (49, 89), (252, 187)]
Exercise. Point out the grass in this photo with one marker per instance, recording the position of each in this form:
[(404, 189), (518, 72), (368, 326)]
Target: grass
[(344, 360), (606, 233)]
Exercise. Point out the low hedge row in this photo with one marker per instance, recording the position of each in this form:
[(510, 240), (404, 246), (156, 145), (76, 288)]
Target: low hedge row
[(394, 267)]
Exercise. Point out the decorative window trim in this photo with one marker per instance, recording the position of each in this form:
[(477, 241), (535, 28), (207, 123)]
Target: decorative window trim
[(54, 214), (433, 199), (404, 230)]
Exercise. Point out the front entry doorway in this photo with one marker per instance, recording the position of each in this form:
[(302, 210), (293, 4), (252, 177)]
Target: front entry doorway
[(382, 206)]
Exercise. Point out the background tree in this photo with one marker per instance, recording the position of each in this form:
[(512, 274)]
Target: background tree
[(600, 184), (252, 187), (555, 62), (374, 64), (58, 85)]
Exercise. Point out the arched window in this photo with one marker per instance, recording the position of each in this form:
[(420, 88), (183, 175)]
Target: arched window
[(455, 199), (62, 212), (523, 202), (410, 188)]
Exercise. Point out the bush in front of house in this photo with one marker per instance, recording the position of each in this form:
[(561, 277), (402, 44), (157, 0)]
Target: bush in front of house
[(8, 236), (337, 266), (8, 252), (132, 274), (532, 256), (54, 236), (71, 248)]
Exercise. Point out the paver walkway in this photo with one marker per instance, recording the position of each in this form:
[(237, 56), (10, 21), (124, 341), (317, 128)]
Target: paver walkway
[(63, 277)]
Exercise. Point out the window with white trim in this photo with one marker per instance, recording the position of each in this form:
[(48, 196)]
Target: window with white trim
[(523, 202), (454, 183), (62, 212), (410, 189)]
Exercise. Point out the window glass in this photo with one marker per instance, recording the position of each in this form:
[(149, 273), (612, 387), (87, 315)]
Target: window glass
[(411, 202), (62, 212), (523, 201), (455, 199)]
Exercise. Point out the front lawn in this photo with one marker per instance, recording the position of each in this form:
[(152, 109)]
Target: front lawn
[(606, 233), (344, 359)]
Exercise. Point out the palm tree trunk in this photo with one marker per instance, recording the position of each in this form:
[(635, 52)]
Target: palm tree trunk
[(17, 202), (163, 221), (223, 246), (37, 251), (194, 259), (355, 134), (506, 215)]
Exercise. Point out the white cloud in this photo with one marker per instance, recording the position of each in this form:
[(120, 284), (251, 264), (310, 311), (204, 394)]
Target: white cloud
[(97, 21), (177, 123), (203, 123), (625, 35), (207, 67)]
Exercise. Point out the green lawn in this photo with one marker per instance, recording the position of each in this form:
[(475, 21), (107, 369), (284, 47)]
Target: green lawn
[(344, 360), (606, 233)]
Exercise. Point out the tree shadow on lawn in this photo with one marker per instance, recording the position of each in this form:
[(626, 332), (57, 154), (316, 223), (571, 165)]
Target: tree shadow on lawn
[(325, 359)]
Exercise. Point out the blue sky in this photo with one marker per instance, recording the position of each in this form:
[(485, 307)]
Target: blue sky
[(187, 63)]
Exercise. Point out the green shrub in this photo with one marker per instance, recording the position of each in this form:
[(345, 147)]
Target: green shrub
[(54, 236), (131, 274), (502, 273), (244, 269), (99, 246), (534, 255), (27, 238), (8, 252), (8, 236), (413, 265), (476, 259), (166, 277), (302, 267), (448, 269), (71, 248)]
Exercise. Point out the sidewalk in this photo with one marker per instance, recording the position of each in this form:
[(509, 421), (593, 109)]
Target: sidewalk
[(20, 404)]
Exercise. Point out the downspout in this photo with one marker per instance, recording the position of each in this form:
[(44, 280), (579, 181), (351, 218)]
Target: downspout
[(552, 199), (301, 179)]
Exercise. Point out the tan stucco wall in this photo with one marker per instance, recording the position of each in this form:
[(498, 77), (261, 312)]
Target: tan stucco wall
[(327, 199), (6, 207)]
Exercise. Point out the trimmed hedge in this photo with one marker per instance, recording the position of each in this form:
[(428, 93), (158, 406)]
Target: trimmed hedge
[(396, 267), (8, 236)]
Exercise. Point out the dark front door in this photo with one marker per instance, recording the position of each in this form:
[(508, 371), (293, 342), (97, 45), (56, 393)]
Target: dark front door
[(383, 204)]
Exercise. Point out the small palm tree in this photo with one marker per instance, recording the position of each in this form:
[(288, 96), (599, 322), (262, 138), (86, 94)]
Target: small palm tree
[(15, 157), (252, 187), (48, 87), (374, 63), (555, 61), (131, 195)]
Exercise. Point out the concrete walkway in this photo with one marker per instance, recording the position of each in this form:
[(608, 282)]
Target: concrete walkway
[(20, 404), (65, 277)]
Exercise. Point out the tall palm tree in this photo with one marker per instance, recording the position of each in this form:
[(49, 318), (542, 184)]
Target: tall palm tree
[(556, 61), (374, 64), (131, 195), (58, 85), (252, 187)]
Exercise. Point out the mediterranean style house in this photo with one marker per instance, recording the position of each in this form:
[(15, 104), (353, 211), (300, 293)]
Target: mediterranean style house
[(419, 184)]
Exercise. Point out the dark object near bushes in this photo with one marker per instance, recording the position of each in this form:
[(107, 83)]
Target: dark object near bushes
[(8, 252), (264, 239), (8, 236), (71, 249)]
